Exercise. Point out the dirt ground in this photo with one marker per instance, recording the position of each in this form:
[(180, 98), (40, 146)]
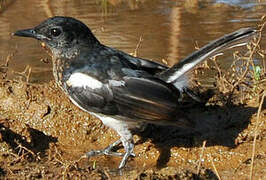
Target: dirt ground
[(43, 136)]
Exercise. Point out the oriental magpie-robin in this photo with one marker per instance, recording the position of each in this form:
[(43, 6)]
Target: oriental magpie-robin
[(123, 91)]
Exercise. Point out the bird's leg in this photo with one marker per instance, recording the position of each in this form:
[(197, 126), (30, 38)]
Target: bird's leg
[(126, 138), (128, 146), (106, 151)]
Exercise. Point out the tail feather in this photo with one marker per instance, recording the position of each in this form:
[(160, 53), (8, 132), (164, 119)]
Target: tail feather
[(237, 38)]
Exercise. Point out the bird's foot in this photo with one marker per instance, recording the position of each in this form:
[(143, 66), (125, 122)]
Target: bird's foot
[(108, 151)]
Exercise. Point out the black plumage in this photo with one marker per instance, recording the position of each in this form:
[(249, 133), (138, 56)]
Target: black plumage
[(123, 91)]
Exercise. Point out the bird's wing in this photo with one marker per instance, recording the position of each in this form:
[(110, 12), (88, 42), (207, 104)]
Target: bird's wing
[(138, 63), (133, 99), (146, 65), (149, 99)]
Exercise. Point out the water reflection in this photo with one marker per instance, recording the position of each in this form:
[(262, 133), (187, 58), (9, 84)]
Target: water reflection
[(170, 29)]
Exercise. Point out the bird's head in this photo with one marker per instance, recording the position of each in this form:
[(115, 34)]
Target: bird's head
[(61, 34)]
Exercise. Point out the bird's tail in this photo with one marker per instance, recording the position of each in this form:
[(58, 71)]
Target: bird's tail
[(176, 73)]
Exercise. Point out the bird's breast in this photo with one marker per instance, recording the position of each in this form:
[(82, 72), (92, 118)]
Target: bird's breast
[(58, 68)]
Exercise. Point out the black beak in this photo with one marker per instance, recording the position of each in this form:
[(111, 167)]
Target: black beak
[(25, 33), (30, 33)]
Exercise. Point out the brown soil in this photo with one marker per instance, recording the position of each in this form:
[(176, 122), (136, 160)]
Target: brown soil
[(43, 135)]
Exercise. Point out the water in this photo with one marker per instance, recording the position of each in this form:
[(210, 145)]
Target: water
[(170, 29)]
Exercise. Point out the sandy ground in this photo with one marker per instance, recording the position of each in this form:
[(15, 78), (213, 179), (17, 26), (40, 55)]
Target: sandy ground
[(43, 136)]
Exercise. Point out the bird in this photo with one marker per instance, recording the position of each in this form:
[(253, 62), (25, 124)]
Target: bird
[(123, 91)]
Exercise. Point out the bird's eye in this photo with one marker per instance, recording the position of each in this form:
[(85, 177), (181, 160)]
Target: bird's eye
[(55, 32)]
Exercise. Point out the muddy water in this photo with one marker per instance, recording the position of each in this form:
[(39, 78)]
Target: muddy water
[(170, 29)]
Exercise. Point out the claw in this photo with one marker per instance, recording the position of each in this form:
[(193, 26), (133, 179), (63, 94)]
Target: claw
[(108, 151), (133, 154)]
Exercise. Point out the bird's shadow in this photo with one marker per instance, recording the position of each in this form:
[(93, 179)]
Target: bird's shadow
[(37, 144), (215, 124)]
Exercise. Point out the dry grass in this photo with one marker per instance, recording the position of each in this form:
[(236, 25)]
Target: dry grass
[(258, 123)]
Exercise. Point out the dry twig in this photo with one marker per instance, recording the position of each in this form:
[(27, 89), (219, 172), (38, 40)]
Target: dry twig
[(214, 167), (201, 155), (255, 137)]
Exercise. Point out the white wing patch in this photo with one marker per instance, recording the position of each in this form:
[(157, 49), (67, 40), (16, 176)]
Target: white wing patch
[(83, 80), (116, 83)]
